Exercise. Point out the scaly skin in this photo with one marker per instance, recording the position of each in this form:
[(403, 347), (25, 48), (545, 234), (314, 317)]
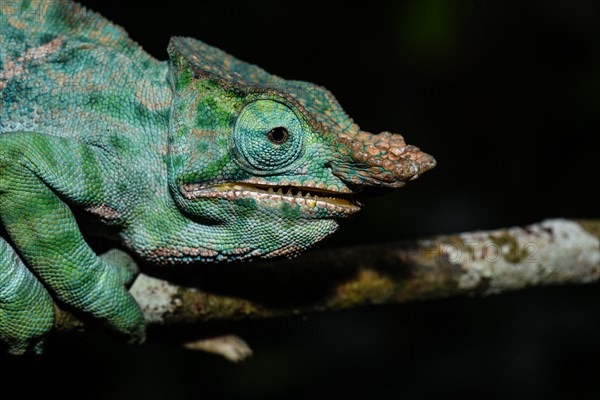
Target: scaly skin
[(198, 159)]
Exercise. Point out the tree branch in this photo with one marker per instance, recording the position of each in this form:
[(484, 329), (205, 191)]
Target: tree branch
[(553, 252)]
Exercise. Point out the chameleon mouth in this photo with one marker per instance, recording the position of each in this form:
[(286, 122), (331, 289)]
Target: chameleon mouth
[(309, 198)]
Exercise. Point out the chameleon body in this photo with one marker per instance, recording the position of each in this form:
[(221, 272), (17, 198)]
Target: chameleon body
[(201, 158)]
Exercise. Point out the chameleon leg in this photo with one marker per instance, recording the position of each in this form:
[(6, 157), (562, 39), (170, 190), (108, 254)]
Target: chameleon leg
[(26, 308), (51, 244), (43, 229)]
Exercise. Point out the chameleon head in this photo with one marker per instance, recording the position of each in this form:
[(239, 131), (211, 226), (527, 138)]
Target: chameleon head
[(271, 163)]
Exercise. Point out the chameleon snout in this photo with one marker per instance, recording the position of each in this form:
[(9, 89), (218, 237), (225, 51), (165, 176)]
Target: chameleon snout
[(383, 160)]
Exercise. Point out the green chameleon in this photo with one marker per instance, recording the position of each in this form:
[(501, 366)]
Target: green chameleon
[(201, 158)]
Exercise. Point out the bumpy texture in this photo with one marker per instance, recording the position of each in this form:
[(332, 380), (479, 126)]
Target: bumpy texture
[(197, 159)]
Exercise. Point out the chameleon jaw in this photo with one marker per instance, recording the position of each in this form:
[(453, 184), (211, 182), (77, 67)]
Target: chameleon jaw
[(309, 198)]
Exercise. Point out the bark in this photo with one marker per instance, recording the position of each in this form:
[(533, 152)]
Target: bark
[(553, 252)]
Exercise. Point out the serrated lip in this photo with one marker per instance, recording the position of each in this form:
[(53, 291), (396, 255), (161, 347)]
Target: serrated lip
[(305, 197)]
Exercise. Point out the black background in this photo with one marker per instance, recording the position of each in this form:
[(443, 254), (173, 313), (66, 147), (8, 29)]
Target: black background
[(505, 95)]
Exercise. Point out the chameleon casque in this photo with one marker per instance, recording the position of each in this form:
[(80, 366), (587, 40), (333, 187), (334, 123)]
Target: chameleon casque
[(201, 158)]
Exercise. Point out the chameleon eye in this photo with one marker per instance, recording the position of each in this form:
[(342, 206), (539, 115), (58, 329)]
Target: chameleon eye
[(268, 137), (278, 135)]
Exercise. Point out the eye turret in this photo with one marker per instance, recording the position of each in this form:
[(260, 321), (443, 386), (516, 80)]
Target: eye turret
[(268, 137)]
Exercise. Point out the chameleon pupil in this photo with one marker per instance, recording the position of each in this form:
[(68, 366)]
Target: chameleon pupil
[(278, 135)]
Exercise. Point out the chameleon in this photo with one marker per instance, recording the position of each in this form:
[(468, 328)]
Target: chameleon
[(197, 159)]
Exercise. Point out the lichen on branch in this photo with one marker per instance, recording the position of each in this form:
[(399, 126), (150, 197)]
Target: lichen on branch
[(552, 252)]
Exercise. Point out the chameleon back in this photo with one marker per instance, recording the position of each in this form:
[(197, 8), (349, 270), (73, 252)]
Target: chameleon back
[(69, 59)]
